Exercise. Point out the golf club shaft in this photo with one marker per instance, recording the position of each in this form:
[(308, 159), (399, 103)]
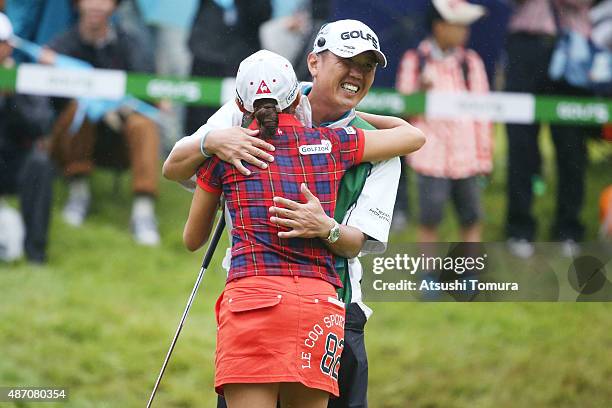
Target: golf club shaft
[(205, 262)]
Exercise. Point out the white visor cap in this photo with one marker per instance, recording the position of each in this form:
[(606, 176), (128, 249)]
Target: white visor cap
[(347, 38), (266, 75)]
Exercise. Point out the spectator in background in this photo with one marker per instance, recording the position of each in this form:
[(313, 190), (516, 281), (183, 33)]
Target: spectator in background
[(97, 42), (292, 30), (458, 150), (223, 34), (531, 41), (320, 12), (25, 168), (164, 27), (288, 29), (601, 18), (169, 27), (39, 21)]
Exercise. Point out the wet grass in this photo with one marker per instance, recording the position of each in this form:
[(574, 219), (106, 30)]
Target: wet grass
[(99, 317)]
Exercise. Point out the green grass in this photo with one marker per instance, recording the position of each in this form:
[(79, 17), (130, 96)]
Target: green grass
[(99, 318)]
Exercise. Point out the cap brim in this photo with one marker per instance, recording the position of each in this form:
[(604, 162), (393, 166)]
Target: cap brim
[(348, 53)]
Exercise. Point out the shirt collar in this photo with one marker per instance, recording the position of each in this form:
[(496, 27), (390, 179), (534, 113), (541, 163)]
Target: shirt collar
[(284, 119), (287, 119), (346, 115), (306, 88)]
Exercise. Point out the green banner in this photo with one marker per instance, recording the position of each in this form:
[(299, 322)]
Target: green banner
[(8, 78), (210, 92), (570, 110), (197, 91), (389, 102)]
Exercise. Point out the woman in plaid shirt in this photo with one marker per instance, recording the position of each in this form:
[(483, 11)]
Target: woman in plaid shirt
[(280, 325)]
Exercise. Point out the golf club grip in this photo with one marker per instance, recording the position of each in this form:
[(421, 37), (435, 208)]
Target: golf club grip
[(214, 241)]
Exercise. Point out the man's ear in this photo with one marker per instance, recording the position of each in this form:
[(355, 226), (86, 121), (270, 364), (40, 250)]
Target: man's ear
[(240, 105), (313, 64)]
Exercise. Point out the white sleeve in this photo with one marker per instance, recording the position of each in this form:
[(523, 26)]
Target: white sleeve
[(227, 116), (373, 210)]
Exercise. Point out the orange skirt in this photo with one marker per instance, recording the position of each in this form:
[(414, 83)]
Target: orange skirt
[(274, 329)]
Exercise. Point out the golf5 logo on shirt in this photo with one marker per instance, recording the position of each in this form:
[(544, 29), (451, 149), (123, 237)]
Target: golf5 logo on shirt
[(325, 147)]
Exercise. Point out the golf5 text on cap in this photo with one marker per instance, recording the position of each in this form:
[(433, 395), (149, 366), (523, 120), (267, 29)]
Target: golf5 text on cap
[(347, 38), (459, 11), (266, 75)]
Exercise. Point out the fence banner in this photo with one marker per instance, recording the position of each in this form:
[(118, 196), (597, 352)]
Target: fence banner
[(495, 106), (44, 80)]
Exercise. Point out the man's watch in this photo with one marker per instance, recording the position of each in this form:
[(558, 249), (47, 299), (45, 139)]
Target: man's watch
[(334, 233)]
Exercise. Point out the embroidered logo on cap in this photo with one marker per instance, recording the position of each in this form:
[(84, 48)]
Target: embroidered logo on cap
[(263, 88)]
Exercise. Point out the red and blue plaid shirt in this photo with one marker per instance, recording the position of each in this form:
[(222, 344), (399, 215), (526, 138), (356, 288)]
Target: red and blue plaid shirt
[(318, 157)]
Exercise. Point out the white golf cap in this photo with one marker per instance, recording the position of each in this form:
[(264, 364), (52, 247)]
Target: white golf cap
[(347, 38), (6, 28), (459, 11), (266, 75)]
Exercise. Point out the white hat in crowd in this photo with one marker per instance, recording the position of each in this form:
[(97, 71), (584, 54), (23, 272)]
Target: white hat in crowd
[(347, 38), (6, 28), (459, 11), (266, 75)]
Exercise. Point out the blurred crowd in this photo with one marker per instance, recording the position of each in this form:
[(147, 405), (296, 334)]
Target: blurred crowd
[(42, 137)]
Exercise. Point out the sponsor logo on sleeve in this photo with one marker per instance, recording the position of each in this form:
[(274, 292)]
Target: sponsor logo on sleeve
[(324, 148), (380, 214)]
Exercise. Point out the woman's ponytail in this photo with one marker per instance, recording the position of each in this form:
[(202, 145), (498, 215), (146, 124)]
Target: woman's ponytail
[(266, 116)]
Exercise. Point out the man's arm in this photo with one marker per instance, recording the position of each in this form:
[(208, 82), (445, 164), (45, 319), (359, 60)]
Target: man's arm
[(349, 244), (230, 144), (373, 211)]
